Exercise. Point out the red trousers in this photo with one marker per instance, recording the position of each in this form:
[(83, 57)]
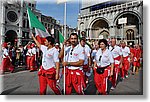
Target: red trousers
[(113, 79), (85, 69), (47, 77), (74, 78), (6, 65), (28, 58), (136, 63), (101, 80), (125, 67), (32, 63)]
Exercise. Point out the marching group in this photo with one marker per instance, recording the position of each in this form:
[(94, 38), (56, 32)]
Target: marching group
[(105, 60), (16, 57)]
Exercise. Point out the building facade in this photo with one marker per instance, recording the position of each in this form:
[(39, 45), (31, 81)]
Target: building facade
[(14, 23), (69, 30), (112, 18)]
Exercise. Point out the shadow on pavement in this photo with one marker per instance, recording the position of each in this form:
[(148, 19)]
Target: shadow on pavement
[(6, 92)]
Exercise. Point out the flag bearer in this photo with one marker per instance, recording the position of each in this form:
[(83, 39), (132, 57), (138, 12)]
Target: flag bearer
[(49, 70), (74, 60)]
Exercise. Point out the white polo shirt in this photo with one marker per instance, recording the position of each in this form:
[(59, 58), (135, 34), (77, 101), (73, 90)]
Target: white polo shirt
[(74, 54), (50, 57), (125, 51), (106, 58), (116, 52), (94, 54), (29, 52), (5, 53), (87, 53), (33, 50)]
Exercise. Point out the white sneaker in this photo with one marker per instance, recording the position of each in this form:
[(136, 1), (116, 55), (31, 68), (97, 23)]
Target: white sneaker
[(112, 88), (127, 76)]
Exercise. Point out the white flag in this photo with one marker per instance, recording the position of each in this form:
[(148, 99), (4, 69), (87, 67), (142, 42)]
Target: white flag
[(61, 1)]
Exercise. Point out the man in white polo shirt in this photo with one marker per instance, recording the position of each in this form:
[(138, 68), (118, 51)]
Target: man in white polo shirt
[(117, 55), (74, 60), (87, 61), (125, 62), (49, 71)]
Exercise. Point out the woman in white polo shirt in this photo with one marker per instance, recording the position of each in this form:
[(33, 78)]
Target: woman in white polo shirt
[(103, 67), (49, 71)]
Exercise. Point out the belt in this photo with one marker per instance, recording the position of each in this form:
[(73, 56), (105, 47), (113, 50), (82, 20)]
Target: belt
[(103, 67), (117, 58)]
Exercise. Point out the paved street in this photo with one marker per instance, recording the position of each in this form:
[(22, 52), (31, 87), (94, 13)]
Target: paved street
[(25, 82)]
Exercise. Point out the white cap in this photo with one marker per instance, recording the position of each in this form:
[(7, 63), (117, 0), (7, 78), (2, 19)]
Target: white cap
[(130, 43), (56, 44)]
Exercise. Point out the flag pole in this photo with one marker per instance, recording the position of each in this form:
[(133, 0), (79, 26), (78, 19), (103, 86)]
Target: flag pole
[(64, 38)]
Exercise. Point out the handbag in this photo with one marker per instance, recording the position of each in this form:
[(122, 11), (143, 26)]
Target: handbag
[(100, 70)]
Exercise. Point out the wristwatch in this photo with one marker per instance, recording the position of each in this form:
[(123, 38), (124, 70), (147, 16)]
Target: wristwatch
[(68, 64)]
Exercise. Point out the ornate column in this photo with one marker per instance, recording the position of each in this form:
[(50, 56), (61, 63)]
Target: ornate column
[(2, 22), (20, 24)]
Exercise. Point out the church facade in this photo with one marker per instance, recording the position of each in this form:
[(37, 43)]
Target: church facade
[(112, 18)]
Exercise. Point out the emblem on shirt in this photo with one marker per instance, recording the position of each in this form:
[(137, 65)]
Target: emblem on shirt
[(49, 55), (75, 54)]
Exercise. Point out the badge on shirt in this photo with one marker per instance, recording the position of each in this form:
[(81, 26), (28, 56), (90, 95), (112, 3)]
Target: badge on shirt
[(75, 54), (49, 55)]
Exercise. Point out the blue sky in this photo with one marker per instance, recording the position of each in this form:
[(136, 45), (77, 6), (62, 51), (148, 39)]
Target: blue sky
[(57, 11)]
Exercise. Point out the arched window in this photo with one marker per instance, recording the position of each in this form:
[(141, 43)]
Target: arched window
[(130, 34), (104, 34)]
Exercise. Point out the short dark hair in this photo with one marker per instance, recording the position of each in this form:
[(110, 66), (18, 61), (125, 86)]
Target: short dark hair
[(113, 38), (83, 39), (104, 41), (73, 35), (50, 39)]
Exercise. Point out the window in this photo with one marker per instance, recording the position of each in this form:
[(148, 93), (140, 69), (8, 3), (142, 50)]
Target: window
[(29, 4), (24, 14), (24, 23), (45, 24), (27, 23), (32, 5), (12, 16), (130, 34)]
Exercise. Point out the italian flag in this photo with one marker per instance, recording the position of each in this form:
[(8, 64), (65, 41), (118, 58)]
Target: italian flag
[(40, 31), (61, 37)]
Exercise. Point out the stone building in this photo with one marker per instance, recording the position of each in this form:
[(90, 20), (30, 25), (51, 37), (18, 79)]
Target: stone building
[(122, 19), (14, 23)]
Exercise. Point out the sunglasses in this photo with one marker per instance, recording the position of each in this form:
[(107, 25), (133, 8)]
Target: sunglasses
[(100, 58), (71, 52)]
